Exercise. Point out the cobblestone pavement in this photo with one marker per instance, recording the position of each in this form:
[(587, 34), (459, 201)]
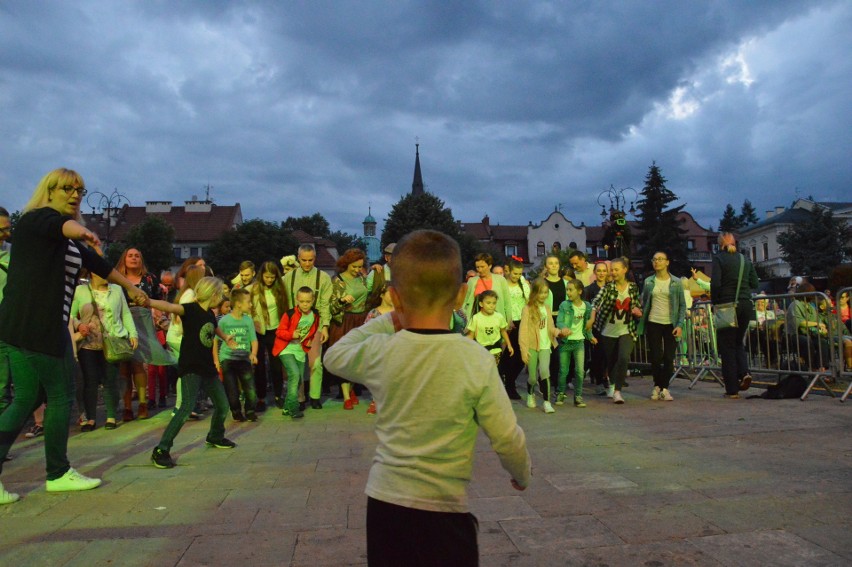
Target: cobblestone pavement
[(698, 481)]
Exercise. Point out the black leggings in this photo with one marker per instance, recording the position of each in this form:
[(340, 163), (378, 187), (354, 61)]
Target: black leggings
[(618, 351)]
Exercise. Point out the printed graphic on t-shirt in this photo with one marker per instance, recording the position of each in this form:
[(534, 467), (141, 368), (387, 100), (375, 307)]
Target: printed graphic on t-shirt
[(622, 308), (205, 335)]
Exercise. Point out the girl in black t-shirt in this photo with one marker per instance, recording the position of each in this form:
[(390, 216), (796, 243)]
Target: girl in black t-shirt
[(196, 367)]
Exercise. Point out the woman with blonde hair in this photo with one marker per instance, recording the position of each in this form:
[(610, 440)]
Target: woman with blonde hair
[(51, 247), (733, 280)]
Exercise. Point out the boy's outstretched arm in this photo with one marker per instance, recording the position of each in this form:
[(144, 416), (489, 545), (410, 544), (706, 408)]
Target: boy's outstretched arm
[(497, 419)]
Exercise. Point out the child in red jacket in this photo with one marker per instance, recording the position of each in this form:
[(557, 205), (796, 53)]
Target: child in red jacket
[(292, 343)]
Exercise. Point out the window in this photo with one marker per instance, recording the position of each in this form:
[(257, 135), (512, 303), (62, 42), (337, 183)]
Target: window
[(195, 251), (715, 247), (754, 253), (690, 245), (511, 250), (539, 249), (557, 247), (766, 251), (590, 251), (177, 251)]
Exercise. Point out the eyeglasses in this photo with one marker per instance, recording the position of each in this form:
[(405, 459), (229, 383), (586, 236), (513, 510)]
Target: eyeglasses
[(658, 259), (70, 190)]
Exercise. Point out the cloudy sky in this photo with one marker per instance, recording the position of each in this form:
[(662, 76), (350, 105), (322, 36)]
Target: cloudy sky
[(290, 108)]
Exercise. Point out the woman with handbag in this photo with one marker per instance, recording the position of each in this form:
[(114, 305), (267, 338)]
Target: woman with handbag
[(51, 246), (732, 283), (103, 318)]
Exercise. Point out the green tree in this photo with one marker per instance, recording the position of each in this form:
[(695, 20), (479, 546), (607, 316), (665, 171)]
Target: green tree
[(315, 225), (153, 237), (344, 241), (414, 212), (659, 227), (748, 216), (256, 240), (815, 248), (730, 221)]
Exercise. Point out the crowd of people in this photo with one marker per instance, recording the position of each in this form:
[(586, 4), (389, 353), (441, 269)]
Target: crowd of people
[(285, 334)]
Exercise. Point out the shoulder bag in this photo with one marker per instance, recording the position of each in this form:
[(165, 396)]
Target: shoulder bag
[(725, 314), (116, 349)]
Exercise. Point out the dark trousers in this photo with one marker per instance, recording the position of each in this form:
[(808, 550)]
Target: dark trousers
[(38, 378), (96, 370), (597, 362), (276, 371), (237, 375), (190, 384), (731, 345), (511, 366), (661, 352), (397, 535), (617, 358), (5, 379)]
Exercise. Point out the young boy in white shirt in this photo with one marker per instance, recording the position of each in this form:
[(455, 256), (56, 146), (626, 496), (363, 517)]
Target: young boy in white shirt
[(434, 390)]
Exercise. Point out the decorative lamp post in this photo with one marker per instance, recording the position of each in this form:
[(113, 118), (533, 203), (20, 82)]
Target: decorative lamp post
[(614, 218), (109, 204)]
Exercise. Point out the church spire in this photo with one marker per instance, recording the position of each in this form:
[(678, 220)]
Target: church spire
[(417, 184)]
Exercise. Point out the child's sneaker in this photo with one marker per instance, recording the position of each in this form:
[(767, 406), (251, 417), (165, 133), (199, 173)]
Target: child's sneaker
[(610, 391), (35, 431), (7, 497), (530, 400), (72, 481), (666, 396), (238, 416), (601, 390), (298, 414), (162, 459), (560, 399), (617, 399), (372, 409), (655, 394), (547, 407), (578, 402), (251, 416), (285, 412)]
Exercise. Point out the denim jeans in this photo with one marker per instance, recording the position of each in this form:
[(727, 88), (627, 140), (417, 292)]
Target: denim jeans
[(295, 369), (238, 375), (190, 384), (567, 351), (38, 378), (96, 370)]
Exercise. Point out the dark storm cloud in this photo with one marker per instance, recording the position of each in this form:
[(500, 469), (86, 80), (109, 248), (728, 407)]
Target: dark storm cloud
[(290, 108)]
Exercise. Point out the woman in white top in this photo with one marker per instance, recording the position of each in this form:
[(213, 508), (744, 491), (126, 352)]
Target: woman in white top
[(519, 292)]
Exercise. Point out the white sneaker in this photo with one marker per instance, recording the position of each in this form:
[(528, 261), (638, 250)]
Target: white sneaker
[(72, 481), (666, 396), (610, 391), (7, 497), (655, 395), (548, 408), (617, 399), (530, 400)]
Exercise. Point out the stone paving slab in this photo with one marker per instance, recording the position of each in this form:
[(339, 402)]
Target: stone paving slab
[(698, 481)]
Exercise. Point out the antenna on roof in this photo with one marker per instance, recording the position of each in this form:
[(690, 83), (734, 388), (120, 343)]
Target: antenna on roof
[(207, 189)]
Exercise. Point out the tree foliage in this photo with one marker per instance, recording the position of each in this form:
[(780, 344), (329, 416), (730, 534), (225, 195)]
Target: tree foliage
[(426, 211), (315, 225), (748, 216), (659, 227), (256, 240), (153, 237), (730, 221), (814, 248)]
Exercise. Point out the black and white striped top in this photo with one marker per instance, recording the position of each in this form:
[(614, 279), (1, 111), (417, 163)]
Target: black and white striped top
[(73, 264)]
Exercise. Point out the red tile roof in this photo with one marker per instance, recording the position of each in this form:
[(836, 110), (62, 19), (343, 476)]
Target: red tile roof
[(189, 226)]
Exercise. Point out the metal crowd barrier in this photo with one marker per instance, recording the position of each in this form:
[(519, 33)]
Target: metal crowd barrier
[(773, 348)]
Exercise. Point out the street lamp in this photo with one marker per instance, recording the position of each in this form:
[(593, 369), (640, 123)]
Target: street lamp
[(616, 215), (110, 203)]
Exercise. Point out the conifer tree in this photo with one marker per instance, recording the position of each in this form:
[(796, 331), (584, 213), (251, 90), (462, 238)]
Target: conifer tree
[(658, 227), (730, 221), (816, 247), (748, 216)]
